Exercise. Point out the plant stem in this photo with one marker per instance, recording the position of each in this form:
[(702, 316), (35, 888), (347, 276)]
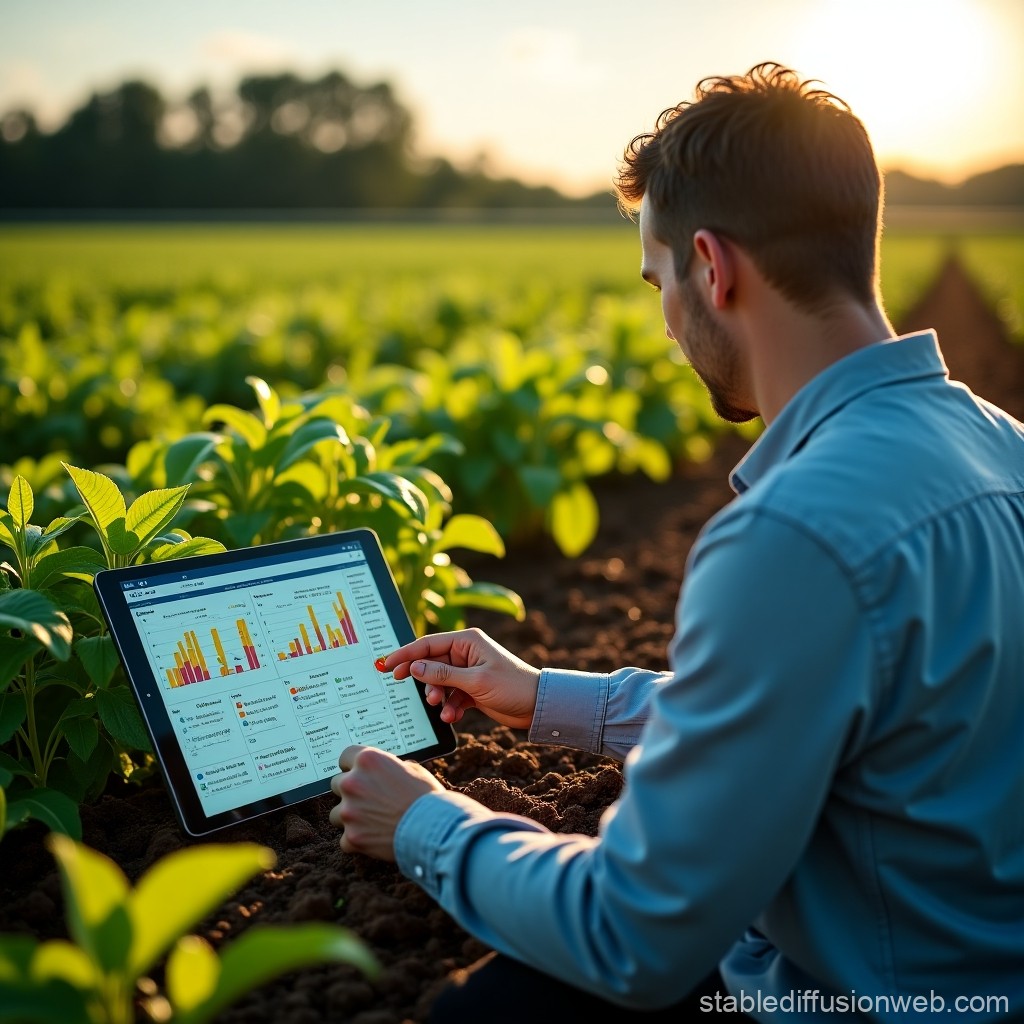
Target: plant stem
[(31, 737)]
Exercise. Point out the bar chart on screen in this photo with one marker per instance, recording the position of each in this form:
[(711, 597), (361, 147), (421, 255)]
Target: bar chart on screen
[(313, 620), (209, 652)]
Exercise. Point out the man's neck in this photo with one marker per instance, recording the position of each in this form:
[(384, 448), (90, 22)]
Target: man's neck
[(794, 347)]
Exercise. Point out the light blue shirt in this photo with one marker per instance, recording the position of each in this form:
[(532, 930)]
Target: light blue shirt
[(826, 792)]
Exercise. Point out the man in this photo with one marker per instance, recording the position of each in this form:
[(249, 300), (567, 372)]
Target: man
[(824, 796)]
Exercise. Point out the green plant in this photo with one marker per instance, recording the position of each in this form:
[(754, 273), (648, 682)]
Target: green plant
[(435, 591), (534, 424), (271, 475), (67, 718), (120, 934), (322, 463)]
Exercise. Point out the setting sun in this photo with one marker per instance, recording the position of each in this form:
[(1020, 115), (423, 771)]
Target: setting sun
[(919, 76)]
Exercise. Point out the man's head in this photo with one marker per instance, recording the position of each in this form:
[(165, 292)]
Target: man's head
[(776, 166)]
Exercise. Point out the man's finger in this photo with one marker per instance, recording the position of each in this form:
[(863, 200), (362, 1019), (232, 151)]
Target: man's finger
[(347, 760), (435, 673), (434, 645)]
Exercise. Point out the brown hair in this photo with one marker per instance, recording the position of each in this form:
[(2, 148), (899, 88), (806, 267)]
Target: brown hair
[(783, 169)]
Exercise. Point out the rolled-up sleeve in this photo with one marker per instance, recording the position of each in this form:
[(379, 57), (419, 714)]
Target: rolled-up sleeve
[(602, 713), (771, 667)]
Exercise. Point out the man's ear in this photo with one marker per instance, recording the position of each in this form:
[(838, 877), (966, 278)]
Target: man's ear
[(716, 267)]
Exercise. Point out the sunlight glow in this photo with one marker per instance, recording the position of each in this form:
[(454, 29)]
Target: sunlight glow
[(909, 70)]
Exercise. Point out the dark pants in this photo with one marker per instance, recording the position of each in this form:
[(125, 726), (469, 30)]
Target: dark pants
[(500, 990)]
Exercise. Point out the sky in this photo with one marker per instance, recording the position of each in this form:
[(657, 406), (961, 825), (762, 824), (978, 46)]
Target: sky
[(551, 91)]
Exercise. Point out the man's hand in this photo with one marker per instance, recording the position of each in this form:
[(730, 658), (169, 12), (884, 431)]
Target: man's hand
[(467, 669), (375, 789)]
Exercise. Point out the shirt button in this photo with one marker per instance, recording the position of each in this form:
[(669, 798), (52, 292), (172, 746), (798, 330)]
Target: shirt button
[(418, 871), (555, 732)]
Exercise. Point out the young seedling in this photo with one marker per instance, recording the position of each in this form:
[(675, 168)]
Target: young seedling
[(119, 934)]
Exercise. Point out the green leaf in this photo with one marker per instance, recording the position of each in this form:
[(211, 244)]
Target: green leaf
[(100, 494), (60, 959), (34, 540), (192, 546), (308, 435), (7, 529), (263, 953), (152, 511), (95, 900), (491, 596), (55, 810), (120, 717), (99, 656), (143, 463), (305, 483), (49, 1002), (653, 458), (16, 953), (270, 404), (80, 779), (242, 529), (473, 533), (120, 539), (175, 536), (20, 502), (184, 457), (182, 888), (429, 482), (243, 423), (541, 484), (376, 430), (394, 487), (12, 713), (82, 735), (415, 451), (81, 562), (364, 454), (574, 519), (11, 766), (36, 616), (193, 971), (14, 652)]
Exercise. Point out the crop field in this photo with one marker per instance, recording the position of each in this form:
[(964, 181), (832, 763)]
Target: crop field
[(466, 391), (519, 362), (535, 351)]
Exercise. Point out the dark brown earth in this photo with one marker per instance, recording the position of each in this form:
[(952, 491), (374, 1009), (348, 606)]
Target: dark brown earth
[(613, 606)]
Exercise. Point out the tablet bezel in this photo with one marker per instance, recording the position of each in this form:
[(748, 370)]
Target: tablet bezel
[(147, 689)]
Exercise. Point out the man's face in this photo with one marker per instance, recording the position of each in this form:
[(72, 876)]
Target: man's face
[(710, 349)]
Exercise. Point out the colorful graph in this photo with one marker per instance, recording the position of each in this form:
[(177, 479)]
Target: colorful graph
[(190, 664), (327, 637), (248, 648)]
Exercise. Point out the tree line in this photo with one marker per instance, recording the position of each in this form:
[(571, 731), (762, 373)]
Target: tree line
[(277, 141), (284, 142)]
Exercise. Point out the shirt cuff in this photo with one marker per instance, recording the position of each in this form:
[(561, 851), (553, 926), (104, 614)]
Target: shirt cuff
[(571, 709), (421, 832)]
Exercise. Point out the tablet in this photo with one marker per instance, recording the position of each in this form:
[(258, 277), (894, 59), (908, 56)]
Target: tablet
[(254, 669)]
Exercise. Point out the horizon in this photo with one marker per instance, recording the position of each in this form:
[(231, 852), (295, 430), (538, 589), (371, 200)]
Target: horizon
[(534, 95)]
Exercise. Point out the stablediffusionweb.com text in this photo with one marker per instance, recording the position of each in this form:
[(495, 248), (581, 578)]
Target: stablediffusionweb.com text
[(814, 1001)]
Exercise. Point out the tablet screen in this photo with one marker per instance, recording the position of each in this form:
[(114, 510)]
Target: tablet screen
[(254, 669)]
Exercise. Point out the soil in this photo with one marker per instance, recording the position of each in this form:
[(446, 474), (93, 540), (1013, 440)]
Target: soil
[(611, 607)]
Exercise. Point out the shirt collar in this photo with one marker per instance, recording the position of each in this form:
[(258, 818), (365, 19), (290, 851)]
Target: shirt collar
[(886, 362)]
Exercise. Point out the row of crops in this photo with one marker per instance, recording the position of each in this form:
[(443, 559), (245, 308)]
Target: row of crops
[(537, 350), (177, 390)]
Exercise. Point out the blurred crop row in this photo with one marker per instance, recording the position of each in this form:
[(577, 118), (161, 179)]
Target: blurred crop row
[(536, 349)]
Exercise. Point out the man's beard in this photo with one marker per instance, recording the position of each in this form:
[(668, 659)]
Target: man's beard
[(714, 356)]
